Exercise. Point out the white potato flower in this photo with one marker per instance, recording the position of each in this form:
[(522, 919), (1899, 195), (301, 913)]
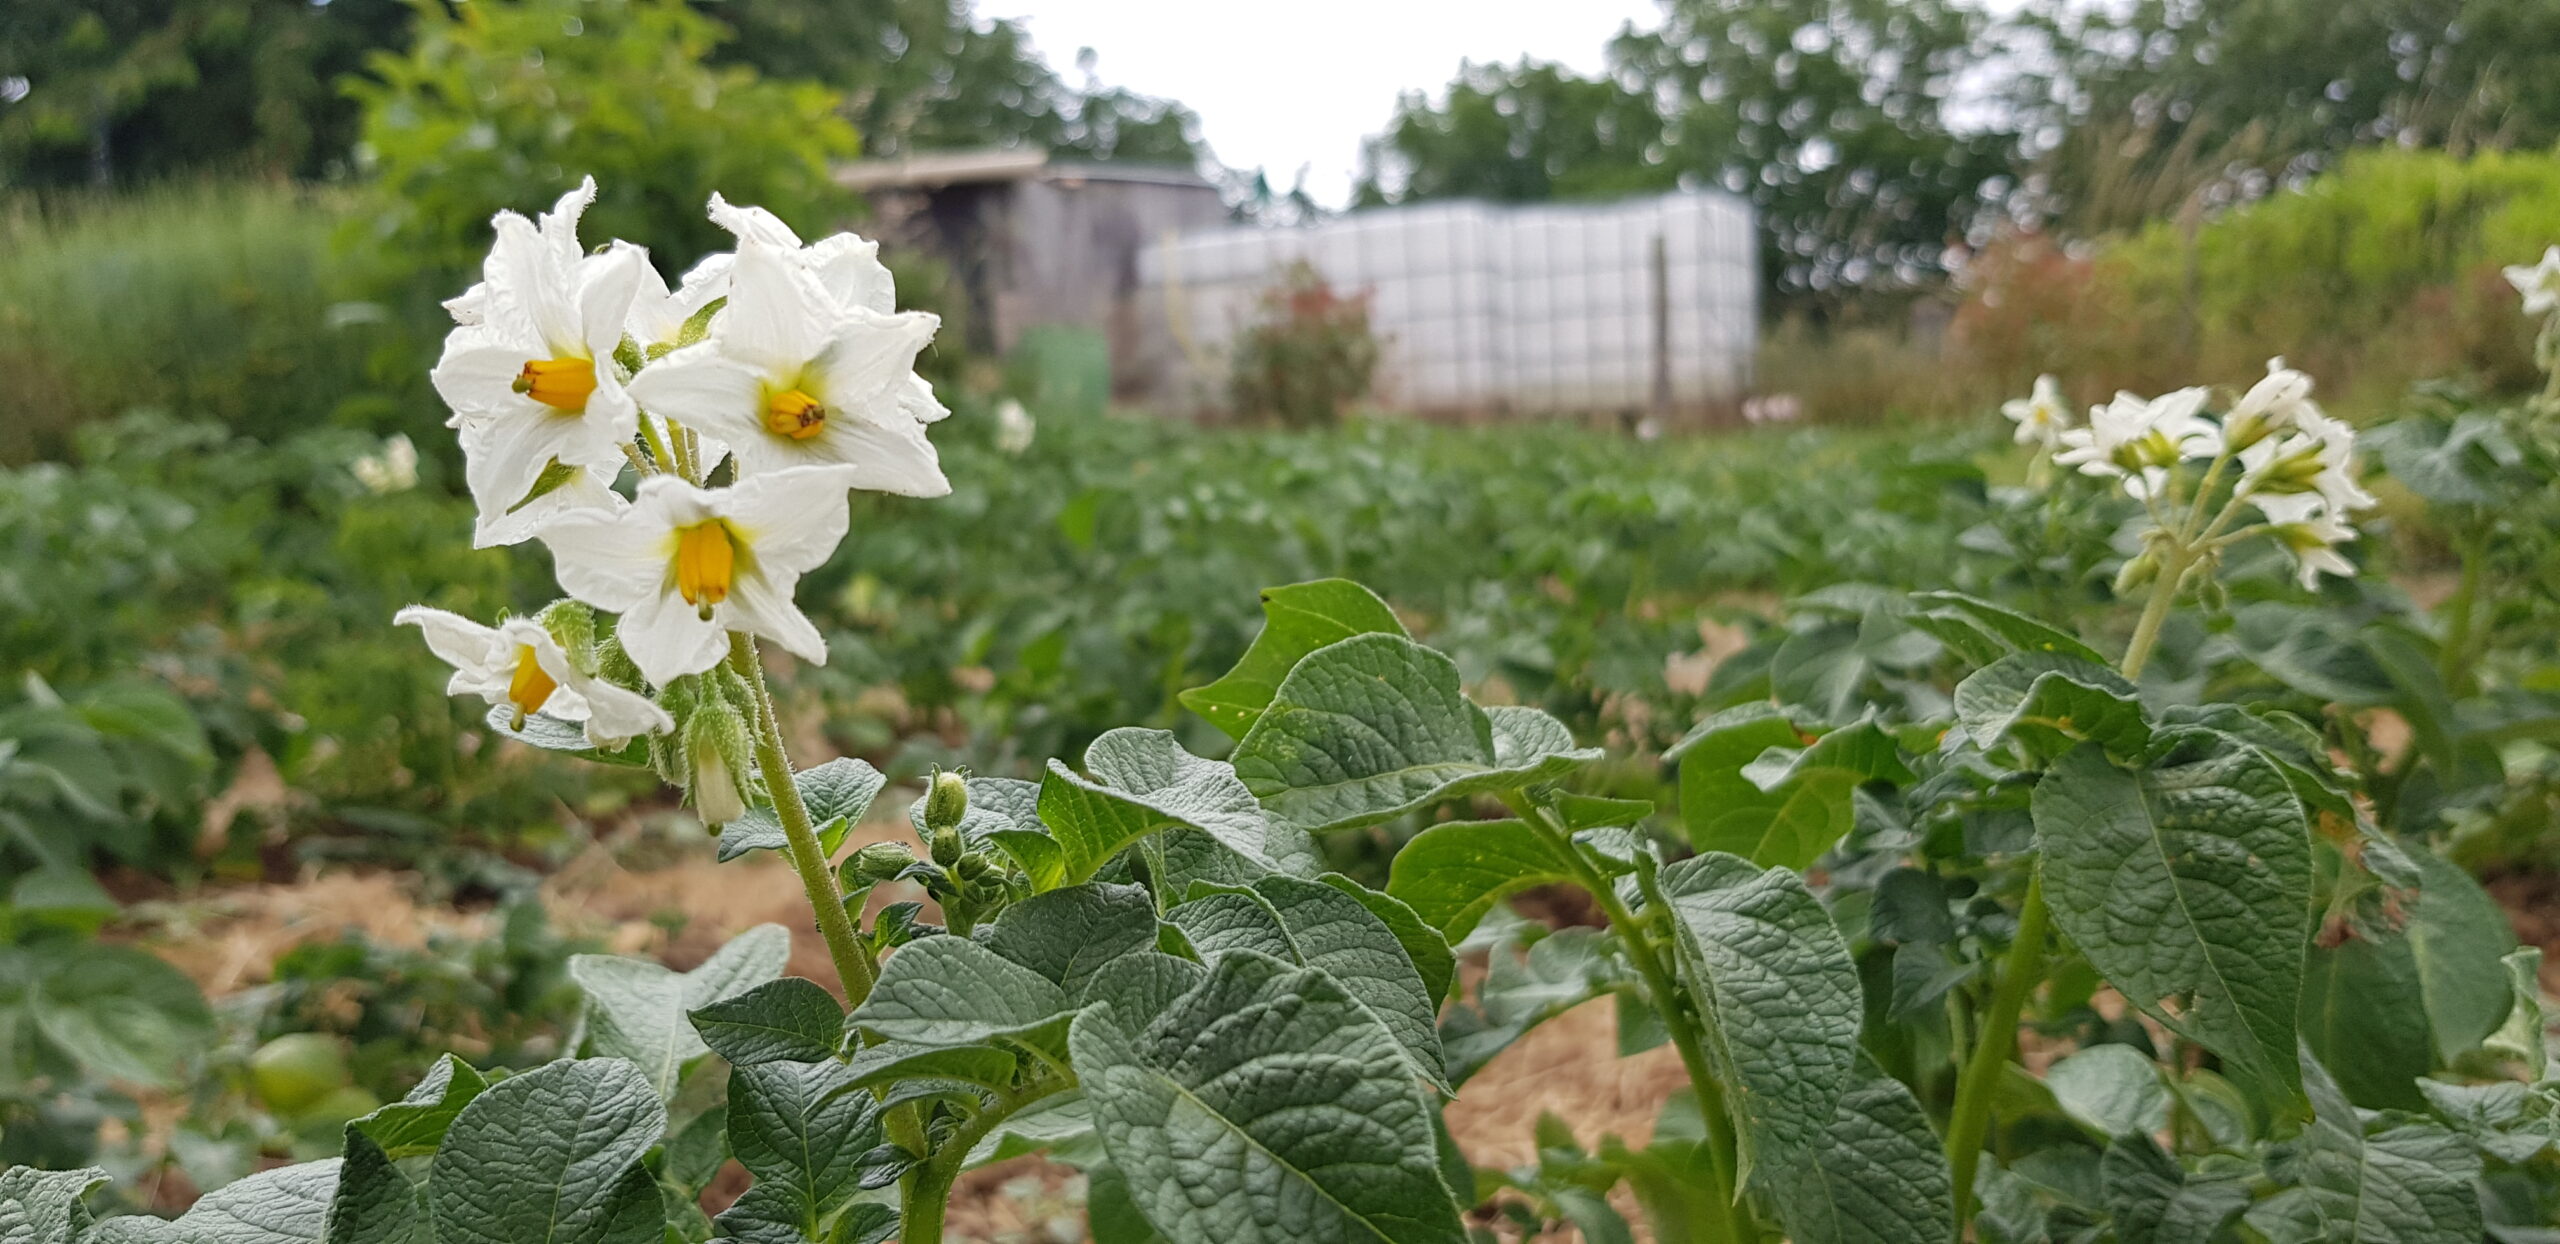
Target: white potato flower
[(2307, 528), (790, 377), (532, 382), (684, 566), (2317, 457), (848, 270), (2270, 406), (2041, 416), (1015, 427), (394, 469), (518, 664), (2539, 283), (2136, 439)]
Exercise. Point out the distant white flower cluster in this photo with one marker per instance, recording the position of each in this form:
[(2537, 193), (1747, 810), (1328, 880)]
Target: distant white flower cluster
[(786, 360), (2297, 465)]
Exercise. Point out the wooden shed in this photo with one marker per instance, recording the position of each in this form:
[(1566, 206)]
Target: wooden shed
[(1033, 241)]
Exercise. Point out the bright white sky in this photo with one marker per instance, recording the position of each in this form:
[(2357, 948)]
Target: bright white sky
[(1299, 83)]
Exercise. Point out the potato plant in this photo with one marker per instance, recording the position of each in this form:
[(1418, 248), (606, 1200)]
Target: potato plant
[(2261, 1015)]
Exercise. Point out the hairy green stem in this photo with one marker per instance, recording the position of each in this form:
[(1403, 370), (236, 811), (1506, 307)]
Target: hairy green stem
[(1736, 1225), (854, 968), (926, 1193), (2020, 971)]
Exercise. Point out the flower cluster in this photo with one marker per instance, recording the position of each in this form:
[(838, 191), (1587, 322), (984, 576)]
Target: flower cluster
[(743, 402), (2297, 468)]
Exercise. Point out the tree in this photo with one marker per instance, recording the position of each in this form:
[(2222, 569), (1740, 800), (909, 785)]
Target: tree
[(114, 91), (1832, 117), (1519, 132), (2157, 102), (507, 105)]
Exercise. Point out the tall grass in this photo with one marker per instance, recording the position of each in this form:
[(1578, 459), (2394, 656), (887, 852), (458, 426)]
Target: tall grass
[(216, 301)]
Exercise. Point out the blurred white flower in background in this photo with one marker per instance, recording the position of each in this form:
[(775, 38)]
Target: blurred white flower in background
[(394, 468), (1014, 427), (2539, 283), (2136, 439), (2041, 416)]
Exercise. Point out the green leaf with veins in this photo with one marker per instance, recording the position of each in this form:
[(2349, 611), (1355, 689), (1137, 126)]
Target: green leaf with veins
[(2399, 1183), (1982, 632), (836, 793), (1452, 874), (45, 1207), (1297, 620), (552, 1156), (554, 735), (953, 991), (414, 1125), (1266, 1106), (2114, 1090), (1750, 784), (1779, 999), (1878, 1175), (1144, 783), (2049, 702), (2406, 982), (2188, 886), (2155, 1201), (1067, 935), (1423, 945), (888, 1062), (804, 1132), (1375, 726), (790, 1019), (286, 1205), (643, 1012), (1316, 925)]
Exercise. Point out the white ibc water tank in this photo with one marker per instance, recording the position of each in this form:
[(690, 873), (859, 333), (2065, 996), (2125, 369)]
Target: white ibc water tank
[(1551, 308)]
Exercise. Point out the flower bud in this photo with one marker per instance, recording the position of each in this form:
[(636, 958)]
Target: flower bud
[(716, 754), (878, 862), (2137, 571), (976, 868), (946, 802), (573, 624)]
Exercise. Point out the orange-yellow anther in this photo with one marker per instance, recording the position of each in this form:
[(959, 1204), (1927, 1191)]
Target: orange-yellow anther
[(794, 414), (561, 384), (532, 686), (706, 561)]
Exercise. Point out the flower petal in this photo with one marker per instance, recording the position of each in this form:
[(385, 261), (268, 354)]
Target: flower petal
[(892, 457), (606, 286), (699, 388), (849, 269), (467, 646), (668, 638), (863, 367), (760, 602), (775, 315), (614, 561), (792, 518), (752, 224)]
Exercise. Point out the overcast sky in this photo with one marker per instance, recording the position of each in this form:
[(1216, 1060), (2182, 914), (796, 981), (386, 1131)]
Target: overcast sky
[(1300, 83)]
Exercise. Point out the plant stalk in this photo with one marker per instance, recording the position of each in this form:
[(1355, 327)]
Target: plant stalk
[(926, 1196), (2164, 593), (1736, 1225), (854, 968), (2020, 971)]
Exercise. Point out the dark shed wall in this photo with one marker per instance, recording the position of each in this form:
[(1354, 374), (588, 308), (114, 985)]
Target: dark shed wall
[(1069, 255)]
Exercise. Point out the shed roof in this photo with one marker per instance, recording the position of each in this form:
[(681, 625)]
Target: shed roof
[(933, 170)]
